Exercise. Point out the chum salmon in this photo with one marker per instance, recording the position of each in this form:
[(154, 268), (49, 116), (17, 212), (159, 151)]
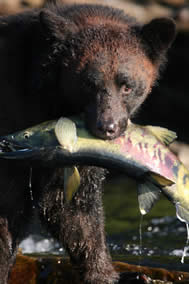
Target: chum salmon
[(141, 153)]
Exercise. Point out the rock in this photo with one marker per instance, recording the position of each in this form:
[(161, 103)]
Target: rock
[(55, 269)]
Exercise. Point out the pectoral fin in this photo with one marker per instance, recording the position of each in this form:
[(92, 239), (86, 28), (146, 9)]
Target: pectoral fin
[(148, 194), (66, 134), (71, 182)]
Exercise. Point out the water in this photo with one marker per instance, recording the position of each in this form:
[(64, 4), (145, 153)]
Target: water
[(30, 188), (186, 246), (140, 234), (155, 245), (155, 240), (140, 240), (39, 244), (146, 243)]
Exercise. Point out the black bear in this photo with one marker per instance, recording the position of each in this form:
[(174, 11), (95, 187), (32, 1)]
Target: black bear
[(59, 61)]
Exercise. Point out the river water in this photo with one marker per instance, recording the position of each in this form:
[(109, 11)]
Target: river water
[(158, 239)]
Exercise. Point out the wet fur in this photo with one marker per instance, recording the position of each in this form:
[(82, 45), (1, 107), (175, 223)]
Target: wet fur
[(58, 62)]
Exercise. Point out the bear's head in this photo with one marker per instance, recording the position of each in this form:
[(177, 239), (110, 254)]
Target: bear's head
[(108, 63)]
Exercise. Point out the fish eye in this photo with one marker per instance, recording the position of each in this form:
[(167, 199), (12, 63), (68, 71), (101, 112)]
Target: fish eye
[(26, 135)]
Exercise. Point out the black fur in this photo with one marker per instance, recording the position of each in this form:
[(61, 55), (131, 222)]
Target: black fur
[(58, 62)]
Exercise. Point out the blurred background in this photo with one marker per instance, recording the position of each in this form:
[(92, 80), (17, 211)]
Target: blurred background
[(158, 239)]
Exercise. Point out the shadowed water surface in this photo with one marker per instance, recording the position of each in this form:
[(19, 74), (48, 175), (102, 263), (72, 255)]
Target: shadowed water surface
[(157, 240)]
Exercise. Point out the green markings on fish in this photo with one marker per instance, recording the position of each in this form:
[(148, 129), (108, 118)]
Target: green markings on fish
[(66, 134), (141, 153), (149, 193)]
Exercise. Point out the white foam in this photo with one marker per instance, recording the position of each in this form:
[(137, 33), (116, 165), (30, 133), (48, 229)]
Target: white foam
[(38, 244)]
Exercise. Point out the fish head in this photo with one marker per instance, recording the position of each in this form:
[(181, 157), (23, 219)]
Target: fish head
[(28, 140)]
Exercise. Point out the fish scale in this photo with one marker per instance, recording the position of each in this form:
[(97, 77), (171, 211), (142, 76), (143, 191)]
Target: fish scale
[(141, 153)]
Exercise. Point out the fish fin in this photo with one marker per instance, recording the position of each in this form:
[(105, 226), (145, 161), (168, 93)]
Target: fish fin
[(71, 182), (66, 134), (163, 181), (182, 213), (165, 135), (148, 193)]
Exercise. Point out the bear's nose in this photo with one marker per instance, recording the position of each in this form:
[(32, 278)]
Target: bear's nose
[(108, 130)]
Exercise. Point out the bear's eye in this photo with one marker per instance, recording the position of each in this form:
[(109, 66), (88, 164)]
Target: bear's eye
[(124, 84), (26, 135), (125, 90)]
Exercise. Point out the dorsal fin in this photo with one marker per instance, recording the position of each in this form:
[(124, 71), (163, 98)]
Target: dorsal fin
[(165, 135)]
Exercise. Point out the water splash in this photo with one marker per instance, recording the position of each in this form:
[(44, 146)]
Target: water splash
[(140, 240), (30, 187), (39, 244), (186, 245), (182, 215), (140, 235), (30, 184)]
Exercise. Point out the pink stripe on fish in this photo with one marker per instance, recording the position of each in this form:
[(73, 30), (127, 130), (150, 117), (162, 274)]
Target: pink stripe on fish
[(157, 157)]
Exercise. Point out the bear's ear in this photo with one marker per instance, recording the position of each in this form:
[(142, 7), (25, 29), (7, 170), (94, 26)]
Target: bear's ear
[(55, 25), (159, 35)]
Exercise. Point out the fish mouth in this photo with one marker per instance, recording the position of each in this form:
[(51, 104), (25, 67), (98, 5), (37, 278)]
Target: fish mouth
[(7, 146), (10, 149)]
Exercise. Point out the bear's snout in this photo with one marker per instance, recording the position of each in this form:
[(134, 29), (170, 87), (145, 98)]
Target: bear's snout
[(109, 129)]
